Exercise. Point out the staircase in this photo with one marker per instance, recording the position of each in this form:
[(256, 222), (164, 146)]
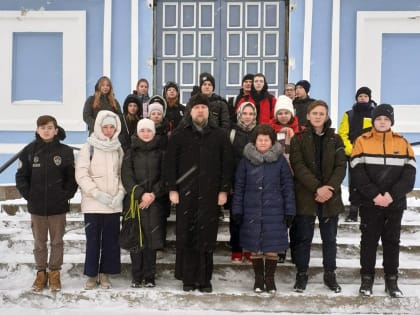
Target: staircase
[(232, 283)]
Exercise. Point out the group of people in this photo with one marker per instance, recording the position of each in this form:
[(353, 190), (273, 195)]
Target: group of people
[(274, 162)]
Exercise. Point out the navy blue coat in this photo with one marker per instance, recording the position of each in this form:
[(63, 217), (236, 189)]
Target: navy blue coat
[(264, 195)]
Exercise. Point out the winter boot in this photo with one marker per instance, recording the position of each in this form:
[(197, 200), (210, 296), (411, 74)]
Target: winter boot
[(353, 213), (258, 265), (54, 280), (366, 288), (331, 282), (270, 270), (103, 281), (91, 283), (391, 286), (41, 281), (301, 281)]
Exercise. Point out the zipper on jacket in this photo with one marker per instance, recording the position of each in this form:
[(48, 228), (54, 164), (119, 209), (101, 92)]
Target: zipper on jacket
[(384, 147)]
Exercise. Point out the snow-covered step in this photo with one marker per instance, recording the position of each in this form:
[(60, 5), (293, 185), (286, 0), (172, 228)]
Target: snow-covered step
[(232, 291)]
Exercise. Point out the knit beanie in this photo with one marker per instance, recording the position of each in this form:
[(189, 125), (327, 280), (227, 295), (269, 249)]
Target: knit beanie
[(364, 90), (169, 85), (108, 120), (198, 99), (383, 110), (154, 106), (305, 84), (284, 102), (205, 76), (146, 123)]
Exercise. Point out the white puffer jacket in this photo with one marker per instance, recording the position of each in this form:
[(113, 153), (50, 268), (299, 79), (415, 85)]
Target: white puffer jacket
[(98, 167)]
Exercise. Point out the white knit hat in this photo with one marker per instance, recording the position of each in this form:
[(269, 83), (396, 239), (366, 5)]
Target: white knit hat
[(146, 123), (108, 120), (154, 106), (284, 102)]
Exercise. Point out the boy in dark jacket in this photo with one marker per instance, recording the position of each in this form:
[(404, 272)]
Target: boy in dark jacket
[(383, 170), (45, 178)]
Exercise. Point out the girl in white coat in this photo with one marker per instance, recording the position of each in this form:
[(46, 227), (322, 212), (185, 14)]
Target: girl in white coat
[(98, 173)]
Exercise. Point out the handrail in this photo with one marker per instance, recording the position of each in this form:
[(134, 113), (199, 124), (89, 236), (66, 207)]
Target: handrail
[(16, 156)]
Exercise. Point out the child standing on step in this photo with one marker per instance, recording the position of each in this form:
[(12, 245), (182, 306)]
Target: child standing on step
[(45, 178), (263, 204), (142, 175), (383, 169), (98, 173)]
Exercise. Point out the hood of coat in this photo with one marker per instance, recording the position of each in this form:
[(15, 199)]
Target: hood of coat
[(98, 124), (258, 158), (132, 98)]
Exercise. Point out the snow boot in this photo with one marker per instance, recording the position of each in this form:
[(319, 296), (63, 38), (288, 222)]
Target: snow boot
[(331, 282), (391, 286), (54, 280), (270, 270), (258, 265), (91, 283), (41, 281), (301, 282), (366, 288), (353, 214), (103, 281)]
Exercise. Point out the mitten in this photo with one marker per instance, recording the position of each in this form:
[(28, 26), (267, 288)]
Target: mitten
[(117, 200), (102, 197)]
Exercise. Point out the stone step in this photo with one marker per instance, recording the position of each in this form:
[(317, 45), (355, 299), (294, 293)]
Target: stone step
[(232, 292)]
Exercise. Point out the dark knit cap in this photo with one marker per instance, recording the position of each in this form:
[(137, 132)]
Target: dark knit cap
[(205, 76), (169, 85), (305, 84), (197, 99), (383, 110), (364, 90), (248, 76)]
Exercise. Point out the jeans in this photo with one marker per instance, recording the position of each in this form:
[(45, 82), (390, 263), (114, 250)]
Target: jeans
[(303, 232)]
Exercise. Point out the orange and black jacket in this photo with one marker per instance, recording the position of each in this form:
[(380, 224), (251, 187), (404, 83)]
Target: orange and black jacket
[(382, 162)]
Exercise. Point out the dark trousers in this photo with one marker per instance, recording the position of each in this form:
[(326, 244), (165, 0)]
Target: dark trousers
[(234, 235), (194, 267), (303, 233), (384, 224), (143, 264), (102, 246)]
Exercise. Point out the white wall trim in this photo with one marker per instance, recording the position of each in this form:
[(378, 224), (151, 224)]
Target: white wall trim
[(335, 62), (307, 40), (134, 42), (106, 66), (19, 116), (370, 28)]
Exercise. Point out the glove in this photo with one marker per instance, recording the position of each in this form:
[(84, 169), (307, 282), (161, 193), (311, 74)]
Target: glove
[(102, 197), (289, 220), (237, 218), (117, 200)]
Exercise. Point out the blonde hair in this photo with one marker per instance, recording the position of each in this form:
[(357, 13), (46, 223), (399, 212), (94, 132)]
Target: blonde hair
[(110, 95)]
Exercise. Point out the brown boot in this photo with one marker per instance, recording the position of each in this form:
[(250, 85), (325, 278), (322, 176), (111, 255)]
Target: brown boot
[(103, 281), (54, 280), (41, 281)]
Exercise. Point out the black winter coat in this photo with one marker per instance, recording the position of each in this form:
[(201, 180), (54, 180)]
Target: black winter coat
[(45, 176), (301, 107), (142, 166), (198, 165), (309, 175)]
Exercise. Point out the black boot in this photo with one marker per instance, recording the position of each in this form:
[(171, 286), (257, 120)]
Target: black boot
[(366, 288), (258, 265), (301, 281), (353, 214), (270, 270), (391, 286), (282, 257), (331, 282)]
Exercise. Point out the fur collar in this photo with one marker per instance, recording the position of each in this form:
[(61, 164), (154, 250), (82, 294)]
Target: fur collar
[(257, 158)]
